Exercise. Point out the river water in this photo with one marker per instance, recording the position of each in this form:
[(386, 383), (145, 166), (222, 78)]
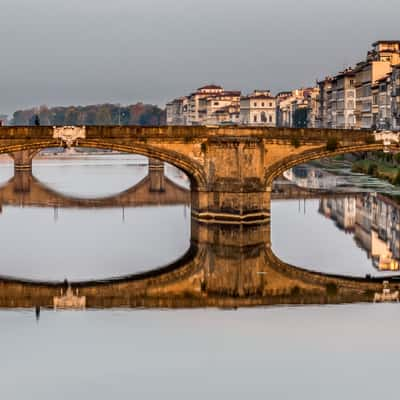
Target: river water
[(305, 352)]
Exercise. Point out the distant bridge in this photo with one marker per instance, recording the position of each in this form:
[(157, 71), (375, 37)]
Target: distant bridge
[(231, 169)]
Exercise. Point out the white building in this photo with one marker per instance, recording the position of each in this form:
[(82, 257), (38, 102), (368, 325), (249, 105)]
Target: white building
[(177, 111), (258, 109), (208, 105)]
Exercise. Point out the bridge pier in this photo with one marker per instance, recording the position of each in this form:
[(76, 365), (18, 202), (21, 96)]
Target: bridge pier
[(235, 262), (156, 175), (23, 160), (22, 181), (235, 191), (231, 207)]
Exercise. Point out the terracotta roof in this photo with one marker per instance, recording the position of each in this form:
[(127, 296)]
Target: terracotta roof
[(384, 78), (210, 87), (386, 41), (230, 93), (258, 97)]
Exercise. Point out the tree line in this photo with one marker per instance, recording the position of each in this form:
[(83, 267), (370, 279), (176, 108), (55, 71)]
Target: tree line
[(99, 114)]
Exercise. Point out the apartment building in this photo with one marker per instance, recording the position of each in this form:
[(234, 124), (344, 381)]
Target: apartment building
[(258, 109), (324, 119), (343, 100), (177, 111), (222, 108), (381, 104), (208, 105), (395, 98), (358, 97), (298, 108), (367, 75)]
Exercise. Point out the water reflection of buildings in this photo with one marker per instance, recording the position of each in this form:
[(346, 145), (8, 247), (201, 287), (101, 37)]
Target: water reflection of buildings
[(374, 220), (311, 178)]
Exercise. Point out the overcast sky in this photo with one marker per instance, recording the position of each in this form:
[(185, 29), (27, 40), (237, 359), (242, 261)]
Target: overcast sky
[(62, 52)]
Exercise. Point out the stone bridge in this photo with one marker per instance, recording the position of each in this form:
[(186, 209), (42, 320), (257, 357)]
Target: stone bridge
[(231, 169), (230, 262)]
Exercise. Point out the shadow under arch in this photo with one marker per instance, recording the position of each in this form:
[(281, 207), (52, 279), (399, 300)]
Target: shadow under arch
[(280, 167), (310, 273), (192, 169), (35, 193)]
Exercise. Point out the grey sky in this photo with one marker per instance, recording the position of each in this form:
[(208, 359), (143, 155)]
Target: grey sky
[(60, 52)]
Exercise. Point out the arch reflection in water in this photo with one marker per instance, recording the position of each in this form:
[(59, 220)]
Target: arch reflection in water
[(364, 237), (98, 174), (226, 266), (83, 243)]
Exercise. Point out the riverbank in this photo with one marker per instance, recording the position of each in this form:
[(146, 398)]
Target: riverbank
[(378, 169)]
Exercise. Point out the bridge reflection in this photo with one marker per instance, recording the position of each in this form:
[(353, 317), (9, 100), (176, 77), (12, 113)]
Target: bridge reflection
[(226, 266), (24, 189)]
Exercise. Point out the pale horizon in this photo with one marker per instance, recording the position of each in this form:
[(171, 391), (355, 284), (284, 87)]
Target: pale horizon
[(74, 53)]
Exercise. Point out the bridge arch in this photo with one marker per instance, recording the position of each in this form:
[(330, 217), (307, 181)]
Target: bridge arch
[(192, 169), (283, 165)]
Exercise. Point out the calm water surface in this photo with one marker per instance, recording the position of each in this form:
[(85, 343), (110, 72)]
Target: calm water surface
[(327, 352), (336, 235), (332, 352), (82, 244)]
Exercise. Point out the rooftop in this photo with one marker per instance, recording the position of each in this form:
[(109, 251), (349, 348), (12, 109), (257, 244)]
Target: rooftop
[(386, 41), (210, 87)]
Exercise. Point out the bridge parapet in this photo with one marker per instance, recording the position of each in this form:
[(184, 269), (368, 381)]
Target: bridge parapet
[(388, 138)]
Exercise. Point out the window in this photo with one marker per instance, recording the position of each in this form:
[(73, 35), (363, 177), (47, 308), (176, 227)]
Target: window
[(270, 104), (255, 104), (270, 118), (255, 118), (216, 103), (262, 104), (263, 117)]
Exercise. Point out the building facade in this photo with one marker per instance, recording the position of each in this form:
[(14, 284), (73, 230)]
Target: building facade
[(258, 109), (208, 105), (362, 97), (395, 98)]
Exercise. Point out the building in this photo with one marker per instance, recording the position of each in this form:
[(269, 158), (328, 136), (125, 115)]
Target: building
[(362, 97), (3, 120), (343, 100), (367, 75), (381, 106), (177, 111), (208, 105), (258, 109), (395, 98), (298, 108), (223, 108), (324, 110)]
